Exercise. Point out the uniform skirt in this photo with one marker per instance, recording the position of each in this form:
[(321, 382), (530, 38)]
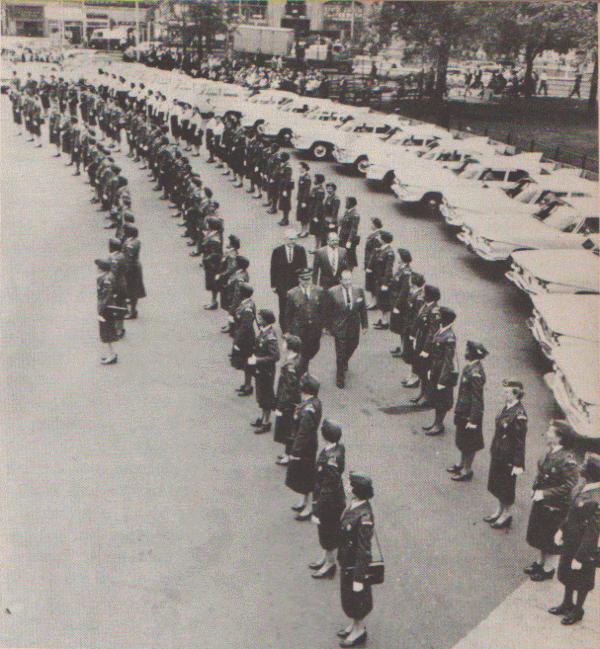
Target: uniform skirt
[(264, 381), (370, 281), (442, 399), (283, 425), (468, 440), (501, 482), (356, 606), (579, 580), (134, 280), (17, 117), (108, 331), (329, 534), (301, 474), (544, 522), (302, 213), (383, 300)]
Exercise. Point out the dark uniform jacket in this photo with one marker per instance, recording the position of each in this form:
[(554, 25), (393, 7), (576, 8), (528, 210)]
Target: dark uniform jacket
[(346, 321), (306, 424), (469, 402), (317, 196), (324, 275), (443, 350), (382, 264), (349, 227), (508, 444), (399, 294), (558, 474), (357, 527), (243, 327), (284, 274), (304, 314), (331, 208), (328, 496), (266, 351), (105, 291), (288, 386)]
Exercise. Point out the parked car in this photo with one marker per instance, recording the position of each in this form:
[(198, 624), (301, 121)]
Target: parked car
[(538, 272), (575, 385), (559, 320)]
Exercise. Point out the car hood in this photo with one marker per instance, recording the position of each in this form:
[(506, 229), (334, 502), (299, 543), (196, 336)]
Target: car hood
[(569, 314), (577, 268), (578, 361)]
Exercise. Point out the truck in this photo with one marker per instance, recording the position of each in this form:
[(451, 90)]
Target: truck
[(271, 41)]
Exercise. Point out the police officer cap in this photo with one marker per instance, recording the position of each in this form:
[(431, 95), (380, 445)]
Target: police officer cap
[(361, 482), (405, 255), (266, 316), (114, 245), (234, 242), (246, 290), (128, 218), (386, 237), (304, 273), (242, 262), (447, 315), (310, 385), (293, 343), (512, 383), (432, 293), (476, 350), (130, 230), (213, 223), (331, 431), (417, 279), (103, 264), (377, 222)]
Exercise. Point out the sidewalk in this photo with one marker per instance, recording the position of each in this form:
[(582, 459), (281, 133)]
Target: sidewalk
[(522, 621)]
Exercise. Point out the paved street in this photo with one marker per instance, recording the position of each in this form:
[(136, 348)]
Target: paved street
[(139, 510)]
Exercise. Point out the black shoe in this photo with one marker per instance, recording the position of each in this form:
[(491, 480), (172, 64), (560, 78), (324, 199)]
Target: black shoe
[(246, 392), (542, 575), (428, 427), (303, 517), (573, 616), (413, 383), (463, 477), (436, 430), (315, 565), (562, 609), (492, 518), (265, 428), (211, 307), (455, 468), (328, 574), (341, 383), (109, 361), (191, 243), (195, 254), (257, 423), (131, 316), (343, 633), (533, 569), (225, 330), (283, 222), (299, 508), (282, 461), (416, 399), (357, 642), (503, 525)]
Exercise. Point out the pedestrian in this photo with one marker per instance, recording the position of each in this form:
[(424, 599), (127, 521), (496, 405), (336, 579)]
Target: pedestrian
[(303, 445), (507, 453), (382, 266), (579, 536), (348, 231), (347, 315), (468, 413), (423, 330), (105, 284), (329, 262), (264, 361), (543, 84), (354, 555), (331, 209), (118, 264), (558, 474), (285, 186), (244, 338), (303, 199), (286, 261), (315, 208), (416, 299), (133, 269), (576, 90), (304, 315), (227, 267), (442, 375), (212, 251), (288, 394), (329, 499)]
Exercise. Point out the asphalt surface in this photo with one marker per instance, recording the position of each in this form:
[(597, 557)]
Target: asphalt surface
[(139, 510)]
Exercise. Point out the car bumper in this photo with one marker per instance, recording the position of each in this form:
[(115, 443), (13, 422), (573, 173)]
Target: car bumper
[(541, 333), (343, 157), (452, 216), (582, 416), (406, 194), (377, 172), (483, 249)]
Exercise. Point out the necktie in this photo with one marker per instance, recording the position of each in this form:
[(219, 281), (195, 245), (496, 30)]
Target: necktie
[(348, 298)]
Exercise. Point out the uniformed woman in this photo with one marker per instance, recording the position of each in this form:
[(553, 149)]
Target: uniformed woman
[(315, 208), (468, 413), (416, 299), (244, 338), (105, 284), (558, 474), (372, 243), (442, 376), (133, 270), (354, 556), (507, 453), (303, 196), (264, 360), (399, 294), (118, 264), (288, 394), (212, 250), (286, 185), (329, 499), (579, 538), (382, 265), (303, 444)]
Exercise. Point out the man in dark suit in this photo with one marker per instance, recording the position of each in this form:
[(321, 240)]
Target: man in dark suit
[(304, 314), (346, 314), (329, 263), (286, 261)]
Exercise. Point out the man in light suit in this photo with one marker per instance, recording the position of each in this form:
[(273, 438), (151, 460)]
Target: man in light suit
[(305, 315), (286, 261), (346, 315), (329, 263)]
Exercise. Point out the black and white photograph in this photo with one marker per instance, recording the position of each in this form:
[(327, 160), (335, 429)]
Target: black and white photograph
[(300, 324)]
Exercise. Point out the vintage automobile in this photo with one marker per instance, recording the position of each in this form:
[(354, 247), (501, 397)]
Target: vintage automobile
[(523, 197), (497, 236), (538, 272), (476, 171), (559, 320), (575, 385)]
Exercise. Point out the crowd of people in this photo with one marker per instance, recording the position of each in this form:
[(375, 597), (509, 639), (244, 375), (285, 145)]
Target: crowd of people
[(90, 122)]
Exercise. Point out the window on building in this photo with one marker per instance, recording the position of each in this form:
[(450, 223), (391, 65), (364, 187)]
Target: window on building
[(295, 8), (247, 10)]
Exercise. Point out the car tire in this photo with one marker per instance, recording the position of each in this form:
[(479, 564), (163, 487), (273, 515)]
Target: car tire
[(361, 165), (431, 202), (284, 137), (319, 151)]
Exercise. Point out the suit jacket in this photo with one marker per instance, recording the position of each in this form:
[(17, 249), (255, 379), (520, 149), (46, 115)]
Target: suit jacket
[(283, 274), (304, 315), (323, 274), (346, 322)]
